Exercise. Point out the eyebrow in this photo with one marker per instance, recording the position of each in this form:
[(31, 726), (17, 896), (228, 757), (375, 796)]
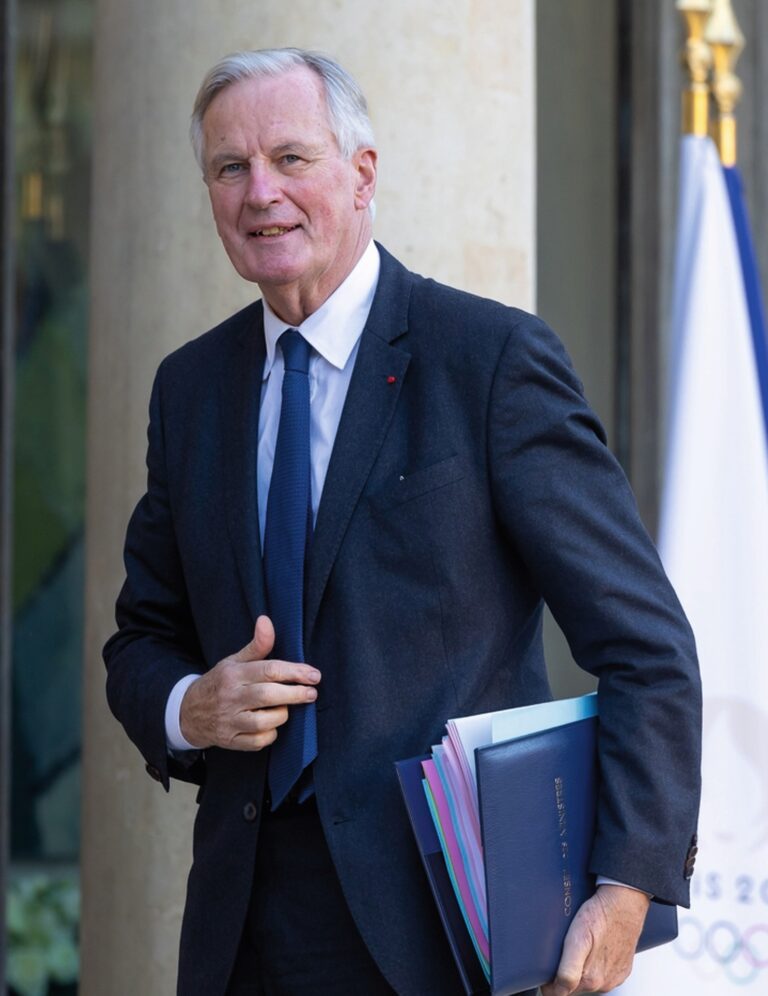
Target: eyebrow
[(300, 147), (227, 156), (223, 157)]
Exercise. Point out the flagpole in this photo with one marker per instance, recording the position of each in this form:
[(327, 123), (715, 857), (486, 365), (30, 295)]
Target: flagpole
[(697, 61), (726, 42)]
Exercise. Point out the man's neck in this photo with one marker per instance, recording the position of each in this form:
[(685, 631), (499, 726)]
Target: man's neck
[(294, 303)]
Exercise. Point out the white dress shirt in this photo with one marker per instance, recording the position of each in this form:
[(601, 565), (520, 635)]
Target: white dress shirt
[(333, 332)]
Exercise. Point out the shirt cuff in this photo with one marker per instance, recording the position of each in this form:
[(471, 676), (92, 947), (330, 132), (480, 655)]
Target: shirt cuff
[(602, 880), (173, 734)]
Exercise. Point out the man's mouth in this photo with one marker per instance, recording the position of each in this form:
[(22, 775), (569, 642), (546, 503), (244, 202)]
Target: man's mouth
[(272, 231)]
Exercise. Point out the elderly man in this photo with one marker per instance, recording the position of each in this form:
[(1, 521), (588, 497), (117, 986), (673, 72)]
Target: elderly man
[(361, 489)]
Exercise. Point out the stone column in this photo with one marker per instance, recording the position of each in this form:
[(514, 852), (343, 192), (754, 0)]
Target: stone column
[(451, 89)]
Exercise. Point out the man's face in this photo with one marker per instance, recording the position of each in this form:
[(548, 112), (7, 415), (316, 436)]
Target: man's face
[(291, 212)]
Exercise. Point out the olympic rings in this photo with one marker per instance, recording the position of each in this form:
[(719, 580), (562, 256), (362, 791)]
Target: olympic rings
[(757, 928), (714, 944), (680, 946), (741, 956)]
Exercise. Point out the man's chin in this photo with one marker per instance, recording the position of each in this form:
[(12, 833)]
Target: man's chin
[(265, 275)]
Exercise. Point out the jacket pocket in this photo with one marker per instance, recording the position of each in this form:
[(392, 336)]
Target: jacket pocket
[(413, 484)]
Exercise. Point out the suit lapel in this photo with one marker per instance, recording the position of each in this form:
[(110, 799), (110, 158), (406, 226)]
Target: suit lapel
[(240, 395), (373, 392)]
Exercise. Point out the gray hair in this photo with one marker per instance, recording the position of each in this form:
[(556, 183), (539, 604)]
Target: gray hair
[(347, 106)]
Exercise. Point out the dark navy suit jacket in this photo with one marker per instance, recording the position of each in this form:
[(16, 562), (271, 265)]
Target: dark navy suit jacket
[(469, 481)]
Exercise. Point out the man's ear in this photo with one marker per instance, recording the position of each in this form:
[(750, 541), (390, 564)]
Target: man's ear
[(364, 161)]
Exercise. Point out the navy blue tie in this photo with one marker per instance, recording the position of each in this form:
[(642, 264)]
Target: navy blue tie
[(286, 535)]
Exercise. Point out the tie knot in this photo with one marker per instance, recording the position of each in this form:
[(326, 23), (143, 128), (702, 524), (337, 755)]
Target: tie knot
[(295, 351)]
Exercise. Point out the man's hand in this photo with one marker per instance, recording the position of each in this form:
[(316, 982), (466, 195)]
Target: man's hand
[(240, 703), (600, 943)]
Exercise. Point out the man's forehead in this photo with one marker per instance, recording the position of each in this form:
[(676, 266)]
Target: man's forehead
[(267, 113), (296, 94)]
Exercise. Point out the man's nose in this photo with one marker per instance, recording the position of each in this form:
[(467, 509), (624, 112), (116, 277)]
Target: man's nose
[(263, 185)]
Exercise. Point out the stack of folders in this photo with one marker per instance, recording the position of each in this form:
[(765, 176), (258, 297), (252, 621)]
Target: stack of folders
[(503, 812)]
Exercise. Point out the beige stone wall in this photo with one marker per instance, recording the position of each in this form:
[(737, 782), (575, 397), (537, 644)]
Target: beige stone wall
[(451, 88)]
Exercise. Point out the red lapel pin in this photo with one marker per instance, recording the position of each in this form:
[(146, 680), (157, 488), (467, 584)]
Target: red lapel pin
[(391, 379)]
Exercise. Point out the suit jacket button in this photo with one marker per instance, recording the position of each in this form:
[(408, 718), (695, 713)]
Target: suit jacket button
[(153, 772), (690, 861), (690, 857), (250, 812)]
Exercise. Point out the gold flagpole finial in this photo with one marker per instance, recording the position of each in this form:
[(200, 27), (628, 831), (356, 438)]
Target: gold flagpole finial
[(697, 60), (727, 43)]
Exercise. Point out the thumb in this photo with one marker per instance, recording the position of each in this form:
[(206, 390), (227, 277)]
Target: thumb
[(576, 948), (262, 643)]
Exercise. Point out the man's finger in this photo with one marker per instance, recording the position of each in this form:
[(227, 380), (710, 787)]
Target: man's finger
[(262, 643), (267, 694), (255, 721), (285, 672), (253, 741), (576, 949)]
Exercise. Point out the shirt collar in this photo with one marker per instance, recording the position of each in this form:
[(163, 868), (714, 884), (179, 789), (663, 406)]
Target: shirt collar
[(332, 330)]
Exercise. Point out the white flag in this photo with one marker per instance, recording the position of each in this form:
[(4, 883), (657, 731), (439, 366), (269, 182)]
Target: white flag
[(714, 544)]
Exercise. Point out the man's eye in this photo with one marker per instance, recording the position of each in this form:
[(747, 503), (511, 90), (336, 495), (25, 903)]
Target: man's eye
[(231, 169), (290, 159)]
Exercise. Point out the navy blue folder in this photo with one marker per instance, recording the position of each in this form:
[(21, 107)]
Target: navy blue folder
[(538, 799)]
